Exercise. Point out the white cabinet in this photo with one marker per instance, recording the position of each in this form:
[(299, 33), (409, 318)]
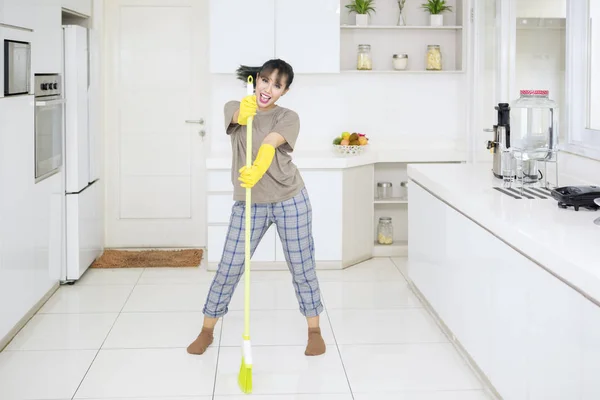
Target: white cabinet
[(532, 335), (241, 32), (83, 7), (342, 217), (307, 37), (17, 13), (30, 223), (47, 54)]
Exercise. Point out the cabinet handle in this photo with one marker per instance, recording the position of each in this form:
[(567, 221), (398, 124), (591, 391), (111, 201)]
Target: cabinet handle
[(195, 121)]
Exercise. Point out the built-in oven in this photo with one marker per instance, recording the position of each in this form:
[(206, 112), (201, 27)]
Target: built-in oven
[(17, 67), (49, 125)]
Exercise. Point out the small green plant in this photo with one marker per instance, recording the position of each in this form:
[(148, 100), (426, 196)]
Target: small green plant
[(436, 6), (361, 6)]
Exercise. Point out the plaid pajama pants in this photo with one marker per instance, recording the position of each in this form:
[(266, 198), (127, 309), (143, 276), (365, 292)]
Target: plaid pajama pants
[(293, 219)]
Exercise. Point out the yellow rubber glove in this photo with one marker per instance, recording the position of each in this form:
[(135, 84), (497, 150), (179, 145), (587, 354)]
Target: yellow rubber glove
[(250, 176), (248, 109)]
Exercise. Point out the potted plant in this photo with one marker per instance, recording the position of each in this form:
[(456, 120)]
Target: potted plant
[(436, 8), (362, 8)]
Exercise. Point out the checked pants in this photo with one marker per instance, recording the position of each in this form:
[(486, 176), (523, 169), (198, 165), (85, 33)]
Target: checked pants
[(293, 219)]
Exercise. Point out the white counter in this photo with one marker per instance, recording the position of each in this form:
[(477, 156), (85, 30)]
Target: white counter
[(327, 159), (515, 282), (563, 241)]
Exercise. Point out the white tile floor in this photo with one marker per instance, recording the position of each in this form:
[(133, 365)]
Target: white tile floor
[(122, 334)]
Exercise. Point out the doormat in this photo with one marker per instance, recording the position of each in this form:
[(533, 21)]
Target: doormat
[(148, 258)]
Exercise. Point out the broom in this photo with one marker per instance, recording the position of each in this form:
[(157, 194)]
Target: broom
[(245, 376)]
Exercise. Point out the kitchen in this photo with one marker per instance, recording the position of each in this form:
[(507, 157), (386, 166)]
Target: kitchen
[(158, 168)]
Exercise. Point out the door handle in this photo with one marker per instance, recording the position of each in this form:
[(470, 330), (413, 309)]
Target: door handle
[(195, 121)]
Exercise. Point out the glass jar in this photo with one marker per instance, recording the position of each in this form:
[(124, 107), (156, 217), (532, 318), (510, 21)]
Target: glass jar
[(364, 61), (534, 126), (385, 231), (384, 190), (434, 58), (404, 190), (400, 61)]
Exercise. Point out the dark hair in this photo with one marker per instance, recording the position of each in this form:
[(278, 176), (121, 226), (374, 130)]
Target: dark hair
[(281, 66)]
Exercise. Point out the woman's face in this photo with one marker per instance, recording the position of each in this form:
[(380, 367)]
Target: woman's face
[(269, 88)]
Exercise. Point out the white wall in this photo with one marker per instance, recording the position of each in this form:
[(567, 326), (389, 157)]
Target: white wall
[(386, 107)]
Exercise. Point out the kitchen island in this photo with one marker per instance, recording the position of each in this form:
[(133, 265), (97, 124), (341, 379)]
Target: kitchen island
[(515, 282), (342, 193)]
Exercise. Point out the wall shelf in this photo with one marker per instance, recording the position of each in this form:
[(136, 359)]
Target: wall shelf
[(391, 71), (396, 249), (392, 200), (393, 27)]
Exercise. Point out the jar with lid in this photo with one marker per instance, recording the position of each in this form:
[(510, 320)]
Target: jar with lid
[(400, 61), (385, 231), (364, 61), (434, 58), (404, 190), (384, 190)]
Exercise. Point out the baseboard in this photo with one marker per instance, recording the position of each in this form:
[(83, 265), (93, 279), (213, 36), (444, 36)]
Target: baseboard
[(23, 321), (281, 265), (488, 386)]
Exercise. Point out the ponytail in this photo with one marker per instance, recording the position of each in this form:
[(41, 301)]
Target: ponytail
[(244, 71)]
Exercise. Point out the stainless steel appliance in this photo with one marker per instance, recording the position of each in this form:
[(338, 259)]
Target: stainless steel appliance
[(17, 67), (49, 125), (502, 165)]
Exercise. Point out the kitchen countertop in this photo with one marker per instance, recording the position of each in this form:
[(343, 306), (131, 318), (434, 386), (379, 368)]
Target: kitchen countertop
[(327, 159), (563, 241)]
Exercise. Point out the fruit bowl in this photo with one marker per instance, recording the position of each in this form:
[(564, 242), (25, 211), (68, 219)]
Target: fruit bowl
[(348, 150), (350, 144)]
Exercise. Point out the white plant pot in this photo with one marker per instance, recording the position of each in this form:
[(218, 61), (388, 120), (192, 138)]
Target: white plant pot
[(362, 19), (436, 20)]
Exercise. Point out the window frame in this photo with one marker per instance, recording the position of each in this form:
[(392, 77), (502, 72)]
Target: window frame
[(580, 139)]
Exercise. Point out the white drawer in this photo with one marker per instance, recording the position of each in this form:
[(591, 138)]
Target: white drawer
[(216, 240), (219, 208), (219, 181)]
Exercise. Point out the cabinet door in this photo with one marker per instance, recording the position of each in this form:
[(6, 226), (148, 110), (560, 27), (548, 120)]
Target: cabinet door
[(47, 54), (17, 13), (307, 35), (241, 32)]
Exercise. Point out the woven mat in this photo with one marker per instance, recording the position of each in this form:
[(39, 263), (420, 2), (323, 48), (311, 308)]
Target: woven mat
[(148, 258)]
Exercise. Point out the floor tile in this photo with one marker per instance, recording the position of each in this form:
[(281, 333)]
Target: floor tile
[(64, 332), (266, 295), (42, 375), (149, 373), (368, 295), (446, 395), (402, 264), (373, 270), (410, 325), (288, 397), (406, 367), (167, 298), (156, 330), (165, 276), (110, 276), (272, 328), (82, 299), (162, 398), (283, 370)]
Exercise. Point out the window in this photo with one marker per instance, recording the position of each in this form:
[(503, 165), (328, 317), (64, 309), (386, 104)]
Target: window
[(583, 78)]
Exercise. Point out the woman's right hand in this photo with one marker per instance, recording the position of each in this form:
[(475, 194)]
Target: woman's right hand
[(248, 109)]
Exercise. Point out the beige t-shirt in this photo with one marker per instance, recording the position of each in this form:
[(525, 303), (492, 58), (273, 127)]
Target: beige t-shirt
[(282, 181)]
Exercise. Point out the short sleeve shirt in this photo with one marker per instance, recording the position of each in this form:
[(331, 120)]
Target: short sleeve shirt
[(282, 181)]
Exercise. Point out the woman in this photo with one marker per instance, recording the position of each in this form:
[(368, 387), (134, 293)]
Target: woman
[(278, 196)]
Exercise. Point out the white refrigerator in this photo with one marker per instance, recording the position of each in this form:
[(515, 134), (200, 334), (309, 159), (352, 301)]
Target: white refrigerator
[(83, 206)]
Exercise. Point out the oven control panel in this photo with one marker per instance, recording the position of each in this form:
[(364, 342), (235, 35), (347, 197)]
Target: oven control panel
[(47, 85)]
